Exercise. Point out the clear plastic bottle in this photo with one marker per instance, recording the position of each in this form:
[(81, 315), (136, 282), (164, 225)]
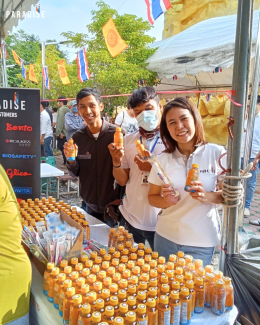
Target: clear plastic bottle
[(175, 305), (75, 309), (193, 175), (152, 312), (109, 315), (199, 296), (185, 306), (164, 311), (141, 315), (229, 294), (218, 298), (85, 315), (46, 277), (209, 285)]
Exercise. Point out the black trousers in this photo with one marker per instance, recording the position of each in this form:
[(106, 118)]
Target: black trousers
[(100, 216), (60, 144)]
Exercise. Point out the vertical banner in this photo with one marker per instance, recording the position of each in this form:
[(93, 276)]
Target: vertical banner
[(82, 62), (63, 73), (20, 140)]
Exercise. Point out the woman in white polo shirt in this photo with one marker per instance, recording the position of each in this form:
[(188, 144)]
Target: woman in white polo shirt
[(190, 223)]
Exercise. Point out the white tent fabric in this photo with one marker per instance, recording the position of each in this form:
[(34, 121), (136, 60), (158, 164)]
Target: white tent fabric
[(201, 48), (8, 22)]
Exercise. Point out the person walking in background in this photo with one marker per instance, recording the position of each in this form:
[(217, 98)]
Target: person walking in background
[(45, 103), (54, 122), (127, 121), (46, 132), (60, 126), (73, 121), (106, 117)]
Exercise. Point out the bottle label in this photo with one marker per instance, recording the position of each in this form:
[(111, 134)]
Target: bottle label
[(218, 304), (175, 314), (164, 317), (142, 322), (229, 308), (199, 300), (184, 313), (85, 237), (80, 322), (152, 318)]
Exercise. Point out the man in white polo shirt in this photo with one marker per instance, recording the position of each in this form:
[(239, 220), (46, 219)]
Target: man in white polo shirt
[(46, 132), (128, 169)]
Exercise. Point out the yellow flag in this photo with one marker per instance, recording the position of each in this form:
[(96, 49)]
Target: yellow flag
[(17, 60), (115, 44), (63, 73), (32, 76)]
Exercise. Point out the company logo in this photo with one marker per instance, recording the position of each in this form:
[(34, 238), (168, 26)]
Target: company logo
[(16, 97), (8, 114), (25, 14), (21, 143), (6, 155), (88, 154), (22, 190), (13, 104), (38, 8), (10, 127), (16, 172)]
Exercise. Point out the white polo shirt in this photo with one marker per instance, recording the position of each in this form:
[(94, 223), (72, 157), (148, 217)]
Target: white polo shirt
[(190, 222), (136, 208), (256, 138), (46, 127)]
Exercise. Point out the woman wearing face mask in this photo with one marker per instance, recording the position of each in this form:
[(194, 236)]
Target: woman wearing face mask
[(129, 169), (189, 223), (73, 121)]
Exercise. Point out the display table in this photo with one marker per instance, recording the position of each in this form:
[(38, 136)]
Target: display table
[(48, 171)]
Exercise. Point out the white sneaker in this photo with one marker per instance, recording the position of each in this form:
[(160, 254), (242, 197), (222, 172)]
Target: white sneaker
[(246, 213)]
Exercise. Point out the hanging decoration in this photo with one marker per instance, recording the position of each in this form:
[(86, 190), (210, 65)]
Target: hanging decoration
[(46, 78), (16, 58), (174, 78), (155, 8), (63, 73), (32, 76), (115, 44), (216, 70), (82, 62), (142, 82), (24, 73)]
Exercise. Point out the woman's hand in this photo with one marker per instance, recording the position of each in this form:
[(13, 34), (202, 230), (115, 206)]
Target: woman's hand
[(169, 195), (117, 153), (200, 194)]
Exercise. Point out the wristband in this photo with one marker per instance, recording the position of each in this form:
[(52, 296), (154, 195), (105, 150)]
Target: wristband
[(117, 166)]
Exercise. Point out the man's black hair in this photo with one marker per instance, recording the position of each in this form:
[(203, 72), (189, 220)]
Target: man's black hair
[(142, 95), (85, 92), (45, 103), (54, 109), (258, 99), (63, 99)]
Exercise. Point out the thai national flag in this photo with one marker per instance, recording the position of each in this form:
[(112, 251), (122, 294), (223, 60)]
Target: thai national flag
[(83, 72), (155, 8), (24, 73), (46, 78)]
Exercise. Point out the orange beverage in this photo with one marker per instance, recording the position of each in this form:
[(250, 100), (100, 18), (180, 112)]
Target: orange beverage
[(153, 273), (46, 277), (147, 259), (98, 261), (190, 285), (106, 296), (116, 278), (79, 268), (136, 272), (170, 266), (141, 315), (199, 296), (152, 312), (75, 309), (110, 236), (155, 255), (109, 315), (123, 310), (105, 265), (178, 271), (188, 259), (89, 264), (63, 264), (188, 277), (153, 293), (126, 275), (107, 283), (67, 303), (143, 287), (185, 306), (165, 290), (79, 284), (141, 297), (201, 273), (209, 269), (164, 311), (98, 289), (95, 269), (101, 276), (83, 259), (100, 306), (124, 259), (85, 315), (86, 233), (123, 284), (84, 293), (118, 138), (91, 280), (218, 298), (113, 289), (179, 278), (93, 255), (52, 280), (218, 275), (198, 263), (85, 273), (122, 296), (57, 289), (115, 304), (131, 301), (146, 269), (95, 318), (140, 149), (209, 285), (117, 321), (131, 318), (193, 176), (175, 305), (161, 271), (180, 254), (229, 294), (111, 250), (74, 278), (92, 297), (131, 290), (67, 284), (73, 262)]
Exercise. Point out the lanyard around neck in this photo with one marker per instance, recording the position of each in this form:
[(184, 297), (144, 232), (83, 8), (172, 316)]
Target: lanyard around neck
[(156, 140)]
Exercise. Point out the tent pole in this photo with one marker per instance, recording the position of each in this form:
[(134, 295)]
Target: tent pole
[(239, 84)]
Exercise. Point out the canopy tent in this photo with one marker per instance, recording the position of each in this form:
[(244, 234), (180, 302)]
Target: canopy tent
[(193, 55)]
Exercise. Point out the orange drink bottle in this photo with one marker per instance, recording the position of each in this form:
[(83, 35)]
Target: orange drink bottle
[(201, 273), (152, 312), (113, 289), (153, 293), (165, 290), (89, 264), (92, 297), (123, 310), (141, 315), (140, 245), (161, 260), (95, 269), (115, 263), (46, 277), (84, 293), (155, 255), (185, 306), (143, 287), (179, 278), (74, 278), (124, 259), (198, 263), (102, 252), (110, 236), (153, 272), (140, 254), (175, 305), (79, 284), (180, 254), (141, 297), (116, 278), (170, 266), (209, 269), (164, 311), (190, 285), (93, 255), (67, 284), (75, 309), (123, 284), (118, 138), (67, 303), (72, 151), (79, 268), (118, 321), (126, 275), (85, 315), (136, 272), (101, 276), (107, 283), (147, 258), (98, 289), (131, 301), (182, 264), (146, 269), (85, 273), (52, 280), (57, 289), (91, 280), (140, 148), (115, 304), (122, 296), (106, 264), (109, 315), (199, 296), (100, 306), (73, 262), (131, 290), (131, 318), (188, 259), (218, 275), (147, 251), (209, 285), (193, 176), (178, 270), (111, 271), (83, 259), (191, 269), (188, 277), (63, 264), (164, 280), (67, 271), (106, 296), (218, 298), (229, 294), (86, 234), (161, 271), (111, 250), (95, 318), (98, 261)]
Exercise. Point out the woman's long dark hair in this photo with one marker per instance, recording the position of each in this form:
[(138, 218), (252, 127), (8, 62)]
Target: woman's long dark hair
[(180, 102)]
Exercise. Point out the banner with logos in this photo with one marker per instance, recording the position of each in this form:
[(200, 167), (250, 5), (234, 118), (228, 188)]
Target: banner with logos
[(20, 140)]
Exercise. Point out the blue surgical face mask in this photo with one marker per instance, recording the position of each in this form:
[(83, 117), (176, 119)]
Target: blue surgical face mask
[(148, 120), (75, 109)]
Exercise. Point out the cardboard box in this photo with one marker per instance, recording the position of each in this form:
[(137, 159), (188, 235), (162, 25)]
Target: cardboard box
[(74, 252)]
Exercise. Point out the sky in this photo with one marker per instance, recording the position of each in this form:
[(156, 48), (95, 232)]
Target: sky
[(73, 15)]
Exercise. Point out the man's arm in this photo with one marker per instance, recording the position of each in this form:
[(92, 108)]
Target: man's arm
[(44, 122), (120, 174)]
